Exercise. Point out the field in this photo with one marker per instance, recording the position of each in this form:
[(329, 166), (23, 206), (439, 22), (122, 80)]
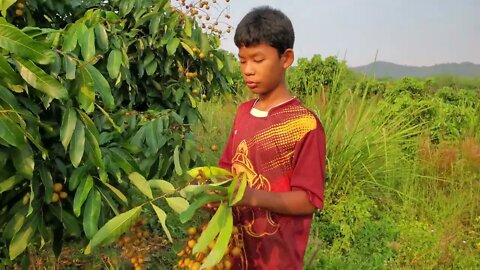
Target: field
[(397, 197), (108, 109)]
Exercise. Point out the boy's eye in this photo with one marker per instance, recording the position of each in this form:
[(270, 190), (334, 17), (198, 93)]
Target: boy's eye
[(257, 60)]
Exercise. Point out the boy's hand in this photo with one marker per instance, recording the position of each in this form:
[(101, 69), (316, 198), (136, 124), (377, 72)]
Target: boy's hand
[(244, 201), (248, 193), (213, 205)]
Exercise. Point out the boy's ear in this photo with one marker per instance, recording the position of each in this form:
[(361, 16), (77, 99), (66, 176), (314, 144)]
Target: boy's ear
[(288, 56)]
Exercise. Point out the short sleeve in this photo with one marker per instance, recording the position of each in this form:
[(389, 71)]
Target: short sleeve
[(309, 165)]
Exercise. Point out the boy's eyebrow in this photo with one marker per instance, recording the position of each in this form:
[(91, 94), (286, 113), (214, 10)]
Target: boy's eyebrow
[(253, 55)]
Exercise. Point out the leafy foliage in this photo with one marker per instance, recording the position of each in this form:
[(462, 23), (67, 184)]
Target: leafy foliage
[(94, 102)]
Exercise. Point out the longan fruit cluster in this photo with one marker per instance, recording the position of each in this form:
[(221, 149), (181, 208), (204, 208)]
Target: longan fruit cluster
[(199, 10), (191, 75), (58, 193), (20, 8), (134, 244), (193, 262), (213, 148)]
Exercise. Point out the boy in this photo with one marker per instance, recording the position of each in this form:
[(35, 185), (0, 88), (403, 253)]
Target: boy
[(278, 144)]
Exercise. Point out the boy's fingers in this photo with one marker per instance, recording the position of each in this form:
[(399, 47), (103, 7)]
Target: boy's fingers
[(210, 207), (215, 192)]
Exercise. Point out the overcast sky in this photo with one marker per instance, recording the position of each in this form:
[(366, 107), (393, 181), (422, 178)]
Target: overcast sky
[(409, 32)]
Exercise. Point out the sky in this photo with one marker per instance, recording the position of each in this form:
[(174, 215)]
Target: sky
[(407, 32)]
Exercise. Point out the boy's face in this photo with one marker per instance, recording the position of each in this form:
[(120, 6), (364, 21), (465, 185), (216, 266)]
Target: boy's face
[(262, 68)]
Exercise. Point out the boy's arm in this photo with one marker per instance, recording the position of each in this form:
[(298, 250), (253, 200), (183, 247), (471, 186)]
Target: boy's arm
[(288, 203)]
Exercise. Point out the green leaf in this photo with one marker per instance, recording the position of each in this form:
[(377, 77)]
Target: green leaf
[(213, 228), (109, 118), (221, 245), (4, 5), (86, 39), (114, 228), (162, 217), (117, 192), (209, 172), (70, 67), (10, 132), (178, 204), (69, 221), (149, 58), (56, 66), (204, 43), (151, 135), (231, 189), (188, 26), (141, 183), (88, 123), (165, 186), (101, 36), (151, 68), (199, 202), (113, 64), (57, 241), (123, 160), (10, 102), (47, 181), (40, 80), (229, 63), (69, 122), (219, 63), (21, 239), (81, 194), (92, 213), (154, 24), (126, 6), (23, 160), (77, 146), (70, 38), (109, 201), (34, 191), (8, 75), (192, 100), (86, 91), (172, 46), (194, 190), (187, 48), (240, 191), (187, 191), (9, 183), (176, 161), (15, 224), (101, 86), (19, 43), (96, 152), (77, 175)]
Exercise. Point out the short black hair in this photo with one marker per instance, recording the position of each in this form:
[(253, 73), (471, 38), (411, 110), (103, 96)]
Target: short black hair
[(265, 25)]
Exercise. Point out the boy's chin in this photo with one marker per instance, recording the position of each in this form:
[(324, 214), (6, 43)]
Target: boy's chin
[(258, 91)]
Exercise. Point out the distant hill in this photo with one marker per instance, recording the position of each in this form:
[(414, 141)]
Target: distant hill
[(382, 69)]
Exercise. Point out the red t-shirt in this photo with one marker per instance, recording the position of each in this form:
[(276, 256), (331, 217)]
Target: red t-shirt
[(283, 151)]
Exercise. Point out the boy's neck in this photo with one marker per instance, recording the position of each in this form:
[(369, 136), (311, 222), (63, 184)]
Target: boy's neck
[(271, 99)]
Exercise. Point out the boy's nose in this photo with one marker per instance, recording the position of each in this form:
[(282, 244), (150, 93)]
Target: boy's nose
[(248, 69)]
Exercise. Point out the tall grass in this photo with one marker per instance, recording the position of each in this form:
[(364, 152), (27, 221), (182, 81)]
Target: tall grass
[(378, 179), (366, 142)]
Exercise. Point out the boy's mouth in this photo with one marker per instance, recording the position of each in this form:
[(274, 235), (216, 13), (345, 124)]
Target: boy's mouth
[(251, 84)]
